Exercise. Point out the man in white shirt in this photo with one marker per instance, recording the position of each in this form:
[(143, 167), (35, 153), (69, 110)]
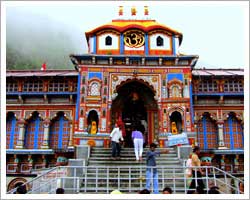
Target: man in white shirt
[(116, 138)]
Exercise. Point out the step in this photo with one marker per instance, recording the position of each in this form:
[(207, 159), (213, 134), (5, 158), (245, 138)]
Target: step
[(104, 190), (132, 159), (130, 162)]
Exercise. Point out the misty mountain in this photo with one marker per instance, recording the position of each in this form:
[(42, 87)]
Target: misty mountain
[(32, 39)]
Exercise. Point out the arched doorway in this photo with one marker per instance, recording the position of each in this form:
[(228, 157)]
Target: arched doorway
[(177, 119), (92, 121), (136, 106)]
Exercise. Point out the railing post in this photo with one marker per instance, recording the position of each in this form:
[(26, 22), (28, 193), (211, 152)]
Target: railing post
[(163, 177), (174, 180), (96, 177), (107, 180), (207, 178), (119, 176), (78, 185), (129, 178)]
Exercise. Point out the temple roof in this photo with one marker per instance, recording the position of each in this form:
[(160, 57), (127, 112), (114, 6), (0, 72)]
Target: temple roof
[(122, 25), (218, 72), (29, 73)]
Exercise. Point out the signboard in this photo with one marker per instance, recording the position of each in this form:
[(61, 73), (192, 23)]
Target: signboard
[(177, 139)]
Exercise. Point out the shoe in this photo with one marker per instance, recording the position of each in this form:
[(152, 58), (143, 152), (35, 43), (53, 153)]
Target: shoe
[(118, 158), (113, 158)]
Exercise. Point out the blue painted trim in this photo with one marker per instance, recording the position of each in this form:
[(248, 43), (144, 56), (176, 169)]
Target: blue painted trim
[(40, 93), (178, 76), (94, 47), (12, 132), (146, 44), (173, 45), (204, 123), (121, 44), (60, 133), (230, 120), (95, 74), (191, 103), (37, 122), (78, 95), (219, 94)]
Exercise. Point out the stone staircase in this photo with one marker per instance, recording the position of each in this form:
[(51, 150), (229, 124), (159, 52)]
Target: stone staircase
[(132, 174)]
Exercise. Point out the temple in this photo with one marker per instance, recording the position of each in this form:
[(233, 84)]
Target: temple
[(133, 73)]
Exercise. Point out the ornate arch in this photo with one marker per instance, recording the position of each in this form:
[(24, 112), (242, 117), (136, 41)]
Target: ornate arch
[(12, 184), (67, 114), (175, 88), (29, 113), (94, 87), (211, 114), (17, 113), (179, 109), (238, 114), (152, 82)]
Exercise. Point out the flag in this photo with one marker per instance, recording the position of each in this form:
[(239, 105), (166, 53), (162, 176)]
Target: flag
[(43, 67)]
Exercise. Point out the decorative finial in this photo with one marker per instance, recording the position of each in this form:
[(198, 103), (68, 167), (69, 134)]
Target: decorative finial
[(145, 10), (133, 11), (120, 10)]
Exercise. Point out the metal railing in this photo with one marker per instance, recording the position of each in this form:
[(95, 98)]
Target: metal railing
[(127, 179)]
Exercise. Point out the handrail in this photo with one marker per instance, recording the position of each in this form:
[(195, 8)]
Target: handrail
[(112, 176), (38, 177)]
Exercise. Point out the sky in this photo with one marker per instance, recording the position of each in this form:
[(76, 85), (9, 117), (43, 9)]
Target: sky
[(218, 32)]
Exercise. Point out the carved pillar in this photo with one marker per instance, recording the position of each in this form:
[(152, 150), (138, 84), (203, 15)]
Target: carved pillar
[(71, 135), (30, 162), (221, 144), (236, 163), (15, 163), (196, 132), (44, 161), (222, 162), (46, 124), (20, 141)]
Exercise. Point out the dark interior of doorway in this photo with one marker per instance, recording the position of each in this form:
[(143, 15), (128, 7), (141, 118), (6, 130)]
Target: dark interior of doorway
[(132, 101)]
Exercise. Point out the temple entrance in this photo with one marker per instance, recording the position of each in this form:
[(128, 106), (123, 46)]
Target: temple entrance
[(134, 104)]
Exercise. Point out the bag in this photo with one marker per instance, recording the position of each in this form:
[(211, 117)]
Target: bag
[(188, 170)]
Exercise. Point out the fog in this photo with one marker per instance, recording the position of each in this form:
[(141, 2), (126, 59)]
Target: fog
[(33, 39), (50, 32)]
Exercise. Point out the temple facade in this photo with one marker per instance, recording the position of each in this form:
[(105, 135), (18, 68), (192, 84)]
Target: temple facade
[(134, 74)]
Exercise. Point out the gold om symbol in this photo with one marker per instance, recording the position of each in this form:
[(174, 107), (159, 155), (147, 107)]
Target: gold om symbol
[(134, 39)]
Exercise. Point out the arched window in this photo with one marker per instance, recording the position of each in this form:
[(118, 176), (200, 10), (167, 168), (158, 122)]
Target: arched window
[(108, 41), (207, 133), (159, 41), (59, 132), (94, 89), (233, 133), (175, 91), (34, 132), (12, 131)]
